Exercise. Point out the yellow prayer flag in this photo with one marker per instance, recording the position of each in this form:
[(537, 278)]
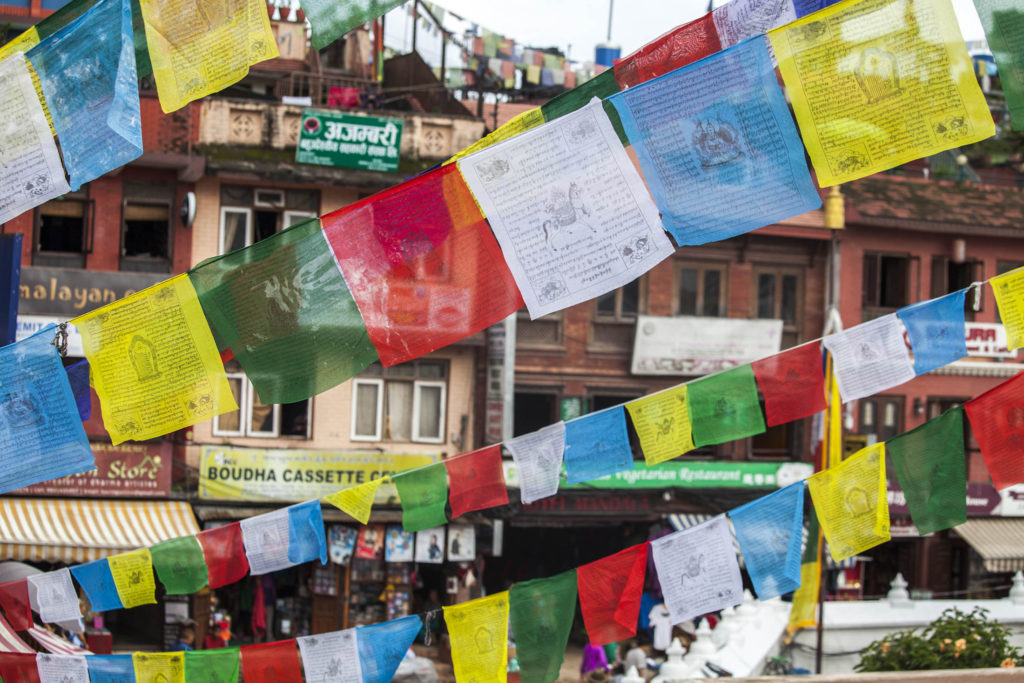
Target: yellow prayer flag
[(1009, 291), (198, 48), (850, 501), (159, 667), (23, 42), (514, 126), (133, 577), (154, 363), (479, 637), (805, 599), (877, 83), (662, 423), (356, 501), (533, 74)]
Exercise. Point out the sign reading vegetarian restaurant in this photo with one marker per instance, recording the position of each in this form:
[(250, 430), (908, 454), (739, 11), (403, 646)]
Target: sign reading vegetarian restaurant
[(349, 141)]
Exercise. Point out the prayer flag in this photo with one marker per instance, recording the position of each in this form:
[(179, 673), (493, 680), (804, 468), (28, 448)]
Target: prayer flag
[(15, 602), (382, 647), (792, 382), (571, 100), (192, 59), (1009, 291), (423, 493), (1004, 28), (932, 471), (852, 73), (531, 118), (476, 481), (331, 20), (110, 668), (42, 436), (97, 581), (357, 501), (662, 423), (307, 538), (212, 666), (24, 41), (53, 596), (768, 530), (718, 128), (426, 246), (180, 565), (538, 458), (224, 553), (62, 668), (271, 662), (159, 667), (331, 656), (133, 577), (479, 636), (610, 590), (936, 330), (805, 598), (597, 445), (154, 363), (284, 538), (737, 20), (78, 378), (724, 406), (870, 357), (282, 306), (18, 668), (997, 418), (679, 47), (850, 501), (541, 613)]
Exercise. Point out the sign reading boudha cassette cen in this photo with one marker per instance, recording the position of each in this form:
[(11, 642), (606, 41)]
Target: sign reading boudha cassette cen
[(349, 141), (689, 345)]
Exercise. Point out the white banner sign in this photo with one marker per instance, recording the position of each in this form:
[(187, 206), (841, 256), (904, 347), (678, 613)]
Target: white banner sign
[(689, 345)]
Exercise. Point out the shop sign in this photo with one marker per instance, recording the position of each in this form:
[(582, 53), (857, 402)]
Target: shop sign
[(127, 470), (691, 474), (983, 500), (987, 340), (228, 473), (349, 141), (594, 505), (690, 345), (70, 292)]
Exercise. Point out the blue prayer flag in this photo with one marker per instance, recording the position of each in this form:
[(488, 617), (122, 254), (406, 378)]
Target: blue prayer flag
[(805, 7), (597, 445), (382, 646), (111, 668), (307, 540), (98, 583), (717, 145), (769, 532), (78, 378), (937, 331)]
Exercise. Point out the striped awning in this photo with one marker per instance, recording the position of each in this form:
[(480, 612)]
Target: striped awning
[(999, 541), (76, 531), (9, 640), (54, 644)]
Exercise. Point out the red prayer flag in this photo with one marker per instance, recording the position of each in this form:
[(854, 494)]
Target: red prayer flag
[(610, 590), (793, 384), (422, 265), (224, 554), (476, 481), (680, 46), (271, 662), (18, 668), (14, 600), (997, 418)]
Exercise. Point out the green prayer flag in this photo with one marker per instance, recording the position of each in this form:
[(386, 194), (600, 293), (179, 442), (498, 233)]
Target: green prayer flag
[(283, 308), (571, 100), (180, 565), (724, 407), (423, 493), (211, 666), (932, 471), (331, 19), (1003, 21), (542, 612), (810, 553)]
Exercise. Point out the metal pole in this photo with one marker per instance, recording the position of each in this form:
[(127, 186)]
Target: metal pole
[(415, 21), (611, 5)]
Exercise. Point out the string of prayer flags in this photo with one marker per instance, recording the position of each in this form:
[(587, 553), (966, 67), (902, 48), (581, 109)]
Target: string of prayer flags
[(110, 668), (423, 493), (610, 590), (847, 70), (698, 569), (18, 668), (331, 656), (15, 603), (479, 637), (737, 20), (331, 20), (805, 598), (133, 577), (53, 597), (224, 553), (870, 357), (30, 168), (284, 538), (1009, 292), (569, 209), (568, 101), (718, 128), (382, 647), (597, 445), (271, 662), (357, 501), (97, 581), (282, 306), (997, 419), (792, 382), (538, 458), (662, 423), (307, 538), (931, 469), (936, 329), (541, 613), (1004, 28), (531, 118), (78, 379), (681, 46), (476, 481), (192, 59), (212, 666), (159, 667), (42, 436), (87, 71), (724, 406), (62, 668), (850, 501), (769, 532), (180, 565), (154, 363)]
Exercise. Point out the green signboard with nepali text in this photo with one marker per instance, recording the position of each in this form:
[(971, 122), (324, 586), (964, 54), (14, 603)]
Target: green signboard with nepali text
[(330, 138)]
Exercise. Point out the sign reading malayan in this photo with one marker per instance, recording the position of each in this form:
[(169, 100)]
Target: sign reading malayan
[(256, 474), (127, 470), (690, 345), (349, 141)]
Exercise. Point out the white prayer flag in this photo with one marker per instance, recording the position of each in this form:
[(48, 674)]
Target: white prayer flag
[(266, 542), (331, 657), (53, 596), (538, 459), (62, 668), (870, 357)]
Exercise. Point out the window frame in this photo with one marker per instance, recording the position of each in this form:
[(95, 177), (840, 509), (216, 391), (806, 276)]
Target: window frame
[(167, 261), (294, 213), (64, 259), (701, 268), (874, 309), (249, 227), (379, 421), (418, 386), (246, 396), (779, 272)]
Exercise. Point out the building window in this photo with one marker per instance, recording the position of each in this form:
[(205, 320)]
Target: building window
[(545, 331), (615, 313), (779, 295), (257, 419), (249, 215), (61, 231), (948, 277), (881, 417), (781, 442), (535, 409), (146, 237), (887, 279), (700, 290), (402, 403)]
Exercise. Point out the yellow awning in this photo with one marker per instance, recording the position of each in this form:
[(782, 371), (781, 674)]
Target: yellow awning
[(999, 541), (76, 531)]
